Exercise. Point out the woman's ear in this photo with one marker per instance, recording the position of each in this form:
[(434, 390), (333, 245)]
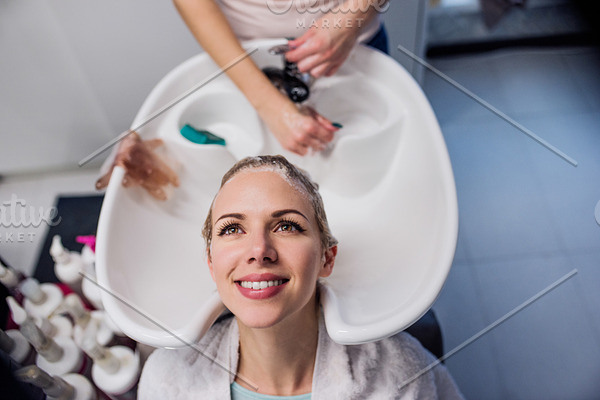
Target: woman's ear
[(210, 266), (327, 268)]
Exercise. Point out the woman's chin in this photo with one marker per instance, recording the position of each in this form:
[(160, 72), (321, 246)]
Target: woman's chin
[(260, 321)]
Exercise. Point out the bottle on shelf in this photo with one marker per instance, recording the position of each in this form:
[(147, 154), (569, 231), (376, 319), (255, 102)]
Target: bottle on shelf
[(116, 370), (57, 356), (68, 265), (13, 343), (107, 334), (89, 247), (55, 325), (90, 289), (41, 300), (64, 387), (11, 279)]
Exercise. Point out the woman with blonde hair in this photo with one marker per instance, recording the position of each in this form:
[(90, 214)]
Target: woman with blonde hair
[(268, 245)]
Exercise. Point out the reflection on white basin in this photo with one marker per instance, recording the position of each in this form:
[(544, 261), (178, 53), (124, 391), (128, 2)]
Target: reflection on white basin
[(386, 182)]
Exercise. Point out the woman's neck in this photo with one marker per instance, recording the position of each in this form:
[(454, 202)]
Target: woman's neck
[(280, 360)]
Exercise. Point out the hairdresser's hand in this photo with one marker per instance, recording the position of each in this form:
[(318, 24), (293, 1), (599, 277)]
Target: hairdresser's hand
[(299, 129), (142, 166), (322, 51)]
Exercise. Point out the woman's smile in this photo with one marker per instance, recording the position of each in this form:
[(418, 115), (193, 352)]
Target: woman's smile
[(261, 286)]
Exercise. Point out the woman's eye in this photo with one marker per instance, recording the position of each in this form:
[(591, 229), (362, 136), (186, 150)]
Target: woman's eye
[(289, 227), (231, 229)]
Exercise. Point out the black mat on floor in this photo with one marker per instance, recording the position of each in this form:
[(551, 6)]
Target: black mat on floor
[(78, 217)]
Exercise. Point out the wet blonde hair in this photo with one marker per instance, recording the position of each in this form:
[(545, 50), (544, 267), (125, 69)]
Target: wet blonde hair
[(295, 176)]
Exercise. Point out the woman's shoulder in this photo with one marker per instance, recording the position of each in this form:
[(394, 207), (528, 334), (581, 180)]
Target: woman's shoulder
[(166, 371), (400, 365), (401, 345)]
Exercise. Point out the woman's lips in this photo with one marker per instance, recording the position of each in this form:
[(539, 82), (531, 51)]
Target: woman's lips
[(260, 286)]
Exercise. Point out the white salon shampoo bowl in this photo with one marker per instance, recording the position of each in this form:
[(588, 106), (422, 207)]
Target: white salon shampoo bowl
[(386, 181)]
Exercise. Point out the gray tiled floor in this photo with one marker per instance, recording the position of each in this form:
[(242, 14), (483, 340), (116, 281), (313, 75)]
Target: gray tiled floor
[(526, 220)]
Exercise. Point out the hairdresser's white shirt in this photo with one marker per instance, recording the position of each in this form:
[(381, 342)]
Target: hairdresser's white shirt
[(266, 19), (394, 368)]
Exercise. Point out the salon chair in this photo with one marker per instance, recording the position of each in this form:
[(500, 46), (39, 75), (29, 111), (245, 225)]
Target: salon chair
[(428, 332)]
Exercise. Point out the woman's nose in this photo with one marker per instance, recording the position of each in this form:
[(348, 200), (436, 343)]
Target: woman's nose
[(261, 249)]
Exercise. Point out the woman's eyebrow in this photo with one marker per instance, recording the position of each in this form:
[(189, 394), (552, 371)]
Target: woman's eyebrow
[(231, 215), (281, 213)]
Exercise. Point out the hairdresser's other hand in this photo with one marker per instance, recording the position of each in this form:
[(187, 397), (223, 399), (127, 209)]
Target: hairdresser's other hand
[(142, 166), (299, 129), (322, 51)]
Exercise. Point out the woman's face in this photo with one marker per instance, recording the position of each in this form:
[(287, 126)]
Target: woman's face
[(266, 252)]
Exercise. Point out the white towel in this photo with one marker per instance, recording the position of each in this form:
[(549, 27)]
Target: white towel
[(367, 371)]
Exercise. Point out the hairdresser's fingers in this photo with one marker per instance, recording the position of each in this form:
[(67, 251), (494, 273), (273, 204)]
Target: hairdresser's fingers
[(310, 111), (128, 181), (102, 182), (316, 51), (317, 145), (326, 70), (311, 142), (160, 177), (122, 153), (325, 129), (315, 64), (314, 142), (309, 134), (156, 191), (156, 171), (170, 175), (294, 146), (163, 174), (322, 52), (299, 47), (131, 139), (304, 145), (152, 144), (320, 70)]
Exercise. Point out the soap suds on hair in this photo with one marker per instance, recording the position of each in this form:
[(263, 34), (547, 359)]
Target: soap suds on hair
[(278, 170)]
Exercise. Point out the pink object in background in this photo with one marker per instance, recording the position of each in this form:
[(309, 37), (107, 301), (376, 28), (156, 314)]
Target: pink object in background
[(90, 240)]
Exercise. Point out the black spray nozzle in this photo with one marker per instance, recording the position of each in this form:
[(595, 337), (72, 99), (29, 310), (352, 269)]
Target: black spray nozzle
[(288, 80)]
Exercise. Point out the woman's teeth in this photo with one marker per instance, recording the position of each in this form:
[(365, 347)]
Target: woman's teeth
[(260, 284)]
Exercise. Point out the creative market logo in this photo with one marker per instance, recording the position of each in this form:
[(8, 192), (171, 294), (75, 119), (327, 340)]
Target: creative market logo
[(280, 7), (16, 213)]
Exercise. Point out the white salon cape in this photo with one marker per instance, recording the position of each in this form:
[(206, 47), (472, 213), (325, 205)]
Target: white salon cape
[(394, 368)]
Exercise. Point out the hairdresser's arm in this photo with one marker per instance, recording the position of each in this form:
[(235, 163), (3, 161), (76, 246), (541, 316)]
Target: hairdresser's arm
[(296, 130), (323, 51)]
